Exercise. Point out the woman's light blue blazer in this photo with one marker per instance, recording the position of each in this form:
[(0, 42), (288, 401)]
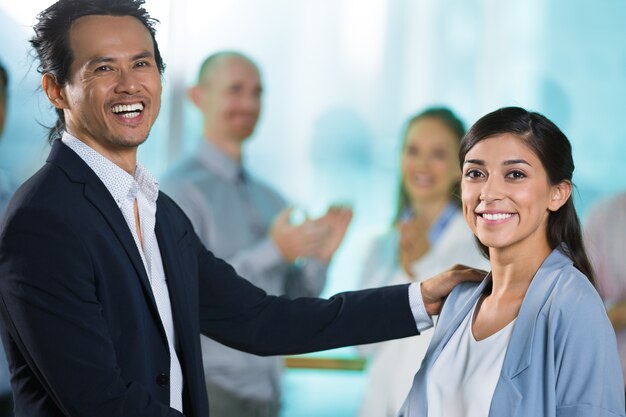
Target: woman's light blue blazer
[(562, 357)]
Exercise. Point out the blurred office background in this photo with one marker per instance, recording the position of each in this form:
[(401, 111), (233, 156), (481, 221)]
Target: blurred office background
[(340, 77)]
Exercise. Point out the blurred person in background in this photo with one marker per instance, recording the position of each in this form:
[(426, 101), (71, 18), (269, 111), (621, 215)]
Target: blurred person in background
[(246, 223), (428, 234), (7, 187), (605, 238)]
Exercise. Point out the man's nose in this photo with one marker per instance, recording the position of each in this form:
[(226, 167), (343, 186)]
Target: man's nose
[(127, 82)]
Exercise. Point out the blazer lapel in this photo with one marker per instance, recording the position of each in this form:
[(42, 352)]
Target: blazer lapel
[(440, 339), (519, 354), (179, 299), (96, 192), (506, 398), (173, 269), (459, 306)]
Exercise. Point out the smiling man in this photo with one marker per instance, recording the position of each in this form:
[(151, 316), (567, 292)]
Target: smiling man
[(113, 93), (104, 285)]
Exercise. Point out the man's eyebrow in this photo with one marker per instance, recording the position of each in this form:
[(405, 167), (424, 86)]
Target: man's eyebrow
[(106, 59), (142, 55), (100, 60)]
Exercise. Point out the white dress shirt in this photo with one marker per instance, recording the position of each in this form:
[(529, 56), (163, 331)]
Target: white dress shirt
[(144, 189)]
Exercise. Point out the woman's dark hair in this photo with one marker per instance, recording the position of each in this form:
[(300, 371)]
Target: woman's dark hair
[(554, 151), (455, 125), (52, 38)]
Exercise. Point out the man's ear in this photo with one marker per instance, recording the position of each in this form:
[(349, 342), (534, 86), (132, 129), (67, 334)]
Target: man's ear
[(559, 194), (195, 95), (53, 91)]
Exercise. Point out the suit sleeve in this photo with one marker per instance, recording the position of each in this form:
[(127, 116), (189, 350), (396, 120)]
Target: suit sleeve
[(240, 315), (51, 312)]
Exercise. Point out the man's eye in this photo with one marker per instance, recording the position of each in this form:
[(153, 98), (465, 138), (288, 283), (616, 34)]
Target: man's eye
[(142, 64), (103, 68)]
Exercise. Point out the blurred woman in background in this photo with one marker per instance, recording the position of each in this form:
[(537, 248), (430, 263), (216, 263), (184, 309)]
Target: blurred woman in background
[(428, 235)]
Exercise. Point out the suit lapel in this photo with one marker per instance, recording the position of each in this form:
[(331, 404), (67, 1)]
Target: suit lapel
[(179, 299), (172, 267), (97, 194)]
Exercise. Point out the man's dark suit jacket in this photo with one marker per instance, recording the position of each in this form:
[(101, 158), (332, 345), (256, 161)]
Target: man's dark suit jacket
[(79, 323)]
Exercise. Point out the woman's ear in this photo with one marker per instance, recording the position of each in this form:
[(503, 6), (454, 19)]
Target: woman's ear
[(559, 194), (53, 91)]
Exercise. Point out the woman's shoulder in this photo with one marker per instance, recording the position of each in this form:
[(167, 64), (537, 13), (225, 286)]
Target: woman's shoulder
[(574, 299), (458, 297), (572, 285)]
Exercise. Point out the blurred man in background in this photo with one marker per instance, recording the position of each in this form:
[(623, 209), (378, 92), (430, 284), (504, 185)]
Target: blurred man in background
[(248, 224)]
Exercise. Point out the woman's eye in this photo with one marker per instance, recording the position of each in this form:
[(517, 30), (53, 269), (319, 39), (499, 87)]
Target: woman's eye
[(473, 173), (516, 175), (411, 151)]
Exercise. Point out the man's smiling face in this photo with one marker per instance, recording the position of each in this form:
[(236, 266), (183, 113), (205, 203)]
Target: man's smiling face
[(113, 94)]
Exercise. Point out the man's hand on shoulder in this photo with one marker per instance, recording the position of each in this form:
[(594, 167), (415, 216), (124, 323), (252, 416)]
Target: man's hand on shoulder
[(437, 288)]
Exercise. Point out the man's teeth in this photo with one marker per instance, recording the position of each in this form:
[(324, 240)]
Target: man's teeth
[(496, 216), (129, 110)]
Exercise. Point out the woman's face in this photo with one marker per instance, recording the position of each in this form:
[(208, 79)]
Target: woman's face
[(506, 194), (429, 162)]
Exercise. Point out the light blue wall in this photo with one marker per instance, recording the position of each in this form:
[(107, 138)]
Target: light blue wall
[(340, 79)]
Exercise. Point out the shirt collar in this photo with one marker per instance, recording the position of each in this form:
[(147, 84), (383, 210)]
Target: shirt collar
[(218, 162), (120, 183)]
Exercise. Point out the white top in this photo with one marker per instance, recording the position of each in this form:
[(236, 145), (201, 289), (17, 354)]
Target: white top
[(143, 188), (462, 380)]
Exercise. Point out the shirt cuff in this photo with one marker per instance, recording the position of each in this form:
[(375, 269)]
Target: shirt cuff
[(422, 319)]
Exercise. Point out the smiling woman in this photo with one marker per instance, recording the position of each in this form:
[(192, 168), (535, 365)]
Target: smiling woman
[(534, 336), (508, 197)]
